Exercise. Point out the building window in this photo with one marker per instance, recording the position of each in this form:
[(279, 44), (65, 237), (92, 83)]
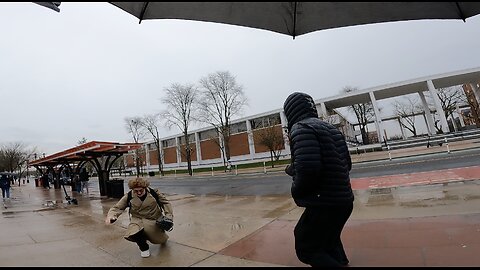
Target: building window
[(238, 127), (168, 143), (152, 146), (265, 121), (208, 134), (191, 139)]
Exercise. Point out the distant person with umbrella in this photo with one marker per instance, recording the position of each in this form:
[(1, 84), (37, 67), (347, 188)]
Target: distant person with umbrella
[(320, 168)]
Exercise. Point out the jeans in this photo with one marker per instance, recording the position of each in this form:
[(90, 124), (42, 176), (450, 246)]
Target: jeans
[(6, 191)]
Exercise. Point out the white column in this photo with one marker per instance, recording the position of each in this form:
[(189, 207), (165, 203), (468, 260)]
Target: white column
[(438, 106), (428, 115), (323, 111), (402, 129), (378, 118), (460, 115), (251, 142), (198, 149), (162, 154), (476, 92), (283, 120), (147, 155), (454, 122), (221, 142), (178, 150)]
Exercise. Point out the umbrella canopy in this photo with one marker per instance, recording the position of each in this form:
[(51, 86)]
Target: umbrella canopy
[(298, 18)]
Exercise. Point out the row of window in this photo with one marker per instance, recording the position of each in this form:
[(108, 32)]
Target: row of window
[(260, 122)]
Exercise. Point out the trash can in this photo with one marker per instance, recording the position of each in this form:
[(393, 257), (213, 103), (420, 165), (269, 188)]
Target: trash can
[(37, 182), (115, 188)]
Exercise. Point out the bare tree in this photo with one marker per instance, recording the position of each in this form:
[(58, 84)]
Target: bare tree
[(181, 101), (14, 157), (83, 140), (151, 123), (273, 139), (88, 165), (135, 128), (449, 97), (407, 109), (474, 115), (222, 98), (364, 113)]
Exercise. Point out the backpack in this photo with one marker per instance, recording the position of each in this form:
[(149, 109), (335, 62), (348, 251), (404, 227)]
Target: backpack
[(163, 222), (154, 194)]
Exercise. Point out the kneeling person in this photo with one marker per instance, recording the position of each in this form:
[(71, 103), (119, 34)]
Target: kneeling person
[(144, 211)]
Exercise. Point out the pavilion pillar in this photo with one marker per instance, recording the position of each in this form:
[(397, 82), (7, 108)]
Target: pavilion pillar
[(103, 177)]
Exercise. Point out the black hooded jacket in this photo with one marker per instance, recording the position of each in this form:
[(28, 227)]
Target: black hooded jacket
[(321, 162)]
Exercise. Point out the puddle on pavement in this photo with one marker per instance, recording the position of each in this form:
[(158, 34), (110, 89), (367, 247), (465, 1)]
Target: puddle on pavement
[(281, 210), (236, 227), (8, 214), (52, 203), (472, 197), (380, 196), (376, 191), (419, 196)]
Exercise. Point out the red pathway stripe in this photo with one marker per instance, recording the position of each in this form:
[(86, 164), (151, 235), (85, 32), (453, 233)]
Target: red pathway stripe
[(408, 179)]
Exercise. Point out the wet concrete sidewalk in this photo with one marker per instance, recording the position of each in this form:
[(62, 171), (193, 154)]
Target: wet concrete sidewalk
[(418, 219), (437, 224)]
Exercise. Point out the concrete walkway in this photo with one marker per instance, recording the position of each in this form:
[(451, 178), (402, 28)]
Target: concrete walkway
[(424, 219)]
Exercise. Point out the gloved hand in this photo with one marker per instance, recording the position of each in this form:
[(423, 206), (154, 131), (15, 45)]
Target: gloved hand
[(110, 220), (289, 169), (165, 223)]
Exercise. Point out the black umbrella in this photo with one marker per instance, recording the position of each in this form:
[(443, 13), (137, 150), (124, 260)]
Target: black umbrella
[(50, 5), (298, 18)]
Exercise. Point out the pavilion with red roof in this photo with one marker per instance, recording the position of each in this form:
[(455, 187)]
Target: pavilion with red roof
[(101, 155)]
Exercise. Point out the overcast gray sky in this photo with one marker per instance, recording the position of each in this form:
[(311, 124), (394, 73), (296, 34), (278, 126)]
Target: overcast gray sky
[(80, 72)]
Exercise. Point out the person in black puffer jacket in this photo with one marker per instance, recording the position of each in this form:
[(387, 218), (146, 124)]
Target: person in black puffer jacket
[(320, 169)]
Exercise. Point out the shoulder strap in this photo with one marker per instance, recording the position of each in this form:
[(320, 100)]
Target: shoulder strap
[(129, 197), (153, 192), (155, 195)]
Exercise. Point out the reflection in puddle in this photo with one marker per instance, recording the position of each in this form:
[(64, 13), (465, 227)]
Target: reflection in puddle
[(380, 196), (418, 196), (8, 214)]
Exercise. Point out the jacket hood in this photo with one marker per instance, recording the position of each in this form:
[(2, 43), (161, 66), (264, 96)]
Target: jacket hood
[(299, 106)]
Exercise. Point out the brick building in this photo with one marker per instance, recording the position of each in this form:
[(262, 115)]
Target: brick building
[(244, 143)]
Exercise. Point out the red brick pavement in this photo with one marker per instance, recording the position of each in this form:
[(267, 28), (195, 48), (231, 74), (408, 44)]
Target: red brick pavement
[(422, 178), (452, 240)]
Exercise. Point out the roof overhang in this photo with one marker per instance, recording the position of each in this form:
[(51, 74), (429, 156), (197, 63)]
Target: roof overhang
[(403, 88), (86, 151)]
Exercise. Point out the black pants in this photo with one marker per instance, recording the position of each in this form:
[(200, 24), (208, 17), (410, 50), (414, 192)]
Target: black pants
[(317, 235), (140, 239)]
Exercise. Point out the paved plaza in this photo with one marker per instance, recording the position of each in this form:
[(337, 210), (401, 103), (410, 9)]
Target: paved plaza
[(417, 219)]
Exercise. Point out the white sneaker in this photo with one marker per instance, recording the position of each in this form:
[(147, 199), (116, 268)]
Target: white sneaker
[(145, 253)]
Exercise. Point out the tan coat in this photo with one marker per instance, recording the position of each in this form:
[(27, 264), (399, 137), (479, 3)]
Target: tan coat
[(143, 215)]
